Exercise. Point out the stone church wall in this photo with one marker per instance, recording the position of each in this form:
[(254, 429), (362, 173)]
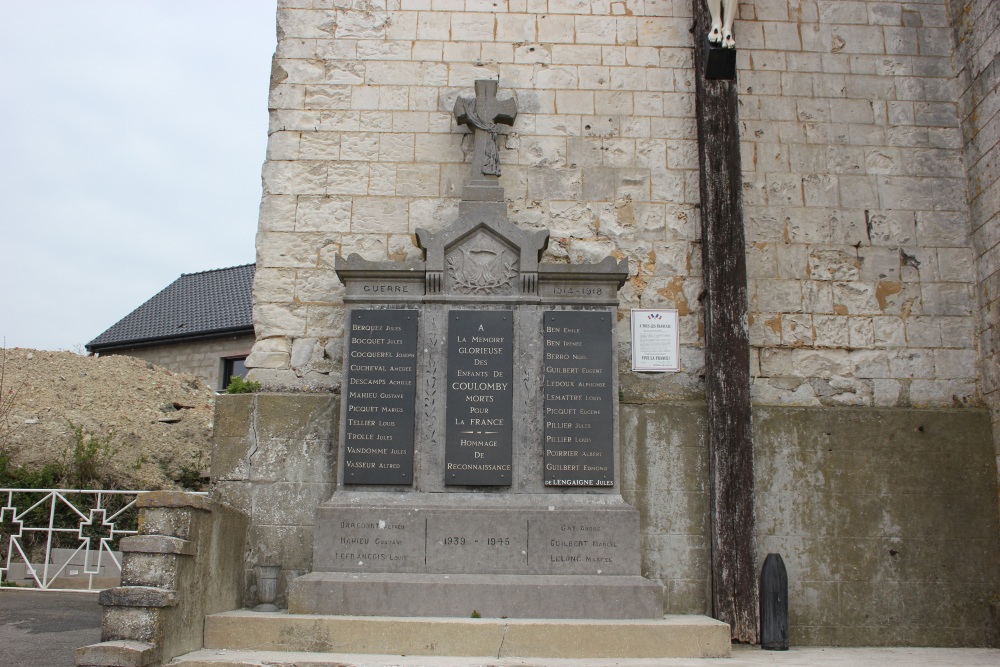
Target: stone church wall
[(868, 351), (862, 269), (861, 263), (364, 149), (977, 35)]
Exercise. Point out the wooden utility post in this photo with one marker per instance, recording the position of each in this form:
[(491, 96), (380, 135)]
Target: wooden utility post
[(727, 348)]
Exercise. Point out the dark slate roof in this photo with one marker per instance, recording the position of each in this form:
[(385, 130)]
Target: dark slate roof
[(196, 305)]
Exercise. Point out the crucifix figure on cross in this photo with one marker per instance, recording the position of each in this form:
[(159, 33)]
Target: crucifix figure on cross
[(481, 114)]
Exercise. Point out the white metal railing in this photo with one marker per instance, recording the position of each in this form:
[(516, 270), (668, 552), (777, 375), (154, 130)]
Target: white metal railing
[(71, 531)]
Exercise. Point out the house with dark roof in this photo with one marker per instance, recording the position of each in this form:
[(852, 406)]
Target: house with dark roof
[(200, 323)]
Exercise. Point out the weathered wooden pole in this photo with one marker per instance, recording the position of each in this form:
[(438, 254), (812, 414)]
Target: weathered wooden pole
[(727, 348)]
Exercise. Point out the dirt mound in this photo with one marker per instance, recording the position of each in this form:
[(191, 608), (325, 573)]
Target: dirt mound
[(115, 421)]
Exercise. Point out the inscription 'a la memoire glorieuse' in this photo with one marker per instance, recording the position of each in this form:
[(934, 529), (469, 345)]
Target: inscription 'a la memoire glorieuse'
[(479, 413)]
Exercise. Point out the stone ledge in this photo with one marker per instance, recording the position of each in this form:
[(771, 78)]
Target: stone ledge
[(138, 596), (665, 637), (157, 544), (120, 653), (177, 499), (491, 596)]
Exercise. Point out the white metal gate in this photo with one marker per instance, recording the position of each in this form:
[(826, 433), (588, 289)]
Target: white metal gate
[(70, 533)]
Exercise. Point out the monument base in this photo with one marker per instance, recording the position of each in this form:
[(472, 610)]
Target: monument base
[(470, 533), (466, 554), (476, 595)]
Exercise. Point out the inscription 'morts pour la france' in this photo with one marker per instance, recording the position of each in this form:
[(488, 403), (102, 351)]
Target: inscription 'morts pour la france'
[(381, 392), (479, 433), (578, 410)]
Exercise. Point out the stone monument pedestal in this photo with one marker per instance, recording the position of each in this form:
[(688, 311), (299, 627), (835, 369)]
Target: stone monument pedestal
[(479, 465), (453, 554)]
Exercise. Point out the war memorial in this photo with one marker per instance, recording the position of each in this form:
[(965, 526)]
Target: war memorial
[(471, 210)]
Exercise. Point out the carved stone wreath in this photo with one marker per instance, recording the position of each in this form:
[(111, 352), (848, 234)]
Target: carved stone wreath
[(482, 270)]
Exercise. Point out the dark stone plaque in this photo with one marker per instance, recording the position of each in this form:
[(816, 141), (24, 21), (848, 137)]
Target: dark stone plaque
[(478, 440), (381, 390), (578, 407)]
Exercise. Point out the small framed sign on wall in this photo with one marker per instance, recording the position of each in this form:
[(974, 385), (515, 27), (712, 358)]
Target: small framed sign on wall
[(656, 344)]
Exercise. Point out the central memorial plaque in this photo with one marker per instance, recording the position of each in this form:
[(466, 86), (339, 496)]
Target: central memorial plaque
[(478, 440)]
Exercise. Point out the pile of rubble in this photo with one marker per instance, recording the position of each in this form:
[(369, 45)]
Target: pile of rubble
[(136, 425)]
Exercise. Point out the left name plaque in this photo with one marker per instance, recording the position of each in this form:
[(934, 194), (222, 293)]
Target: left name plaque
[(380, 397)]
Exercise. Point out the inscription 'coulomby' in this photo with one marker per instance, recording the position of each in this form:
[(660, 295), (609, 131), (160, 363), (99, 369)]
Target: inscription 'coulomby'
[(479, 413)]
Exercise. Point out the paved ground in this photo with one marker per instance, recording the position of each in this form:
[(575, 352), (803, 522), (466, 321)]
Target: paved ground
[(41, 629), (742, 657)]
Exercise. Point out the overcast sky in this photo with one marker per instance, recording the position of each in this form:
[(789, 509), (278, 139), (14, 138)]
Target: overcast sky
[(132, 135)]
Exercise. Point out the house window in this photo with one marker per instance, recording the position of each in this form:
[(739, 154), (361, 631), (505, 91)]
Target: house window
[(231, 367)]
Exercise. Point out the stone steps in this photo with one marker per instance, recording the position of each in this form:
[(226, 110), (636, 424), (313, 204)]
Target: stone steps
[(462, 595), (239, 636)]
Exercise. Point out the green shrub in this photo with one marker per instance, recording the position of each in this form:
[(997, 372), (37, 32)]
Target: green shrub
[(48, 476), (188, 475), (88, 456), (238, 385)]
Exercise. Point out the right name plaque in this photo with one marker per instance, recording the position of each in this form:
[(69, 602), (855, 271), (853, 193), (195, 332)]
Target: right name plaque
[(578, 408)]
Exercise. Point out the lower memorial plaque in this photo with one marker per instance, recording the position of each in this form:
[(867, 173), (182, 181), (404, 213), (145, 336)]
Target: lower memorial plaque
[(478, 440), (578, 405), (381, 389)]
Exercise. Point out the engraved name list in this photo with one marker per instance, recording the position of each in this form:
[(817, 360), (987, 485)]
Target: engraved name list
[(578, 409), (381, 388)]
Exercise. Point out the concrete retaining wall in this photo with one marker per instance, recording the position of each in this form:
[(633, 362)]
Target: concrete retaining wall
[(886, 518), (274, 458)]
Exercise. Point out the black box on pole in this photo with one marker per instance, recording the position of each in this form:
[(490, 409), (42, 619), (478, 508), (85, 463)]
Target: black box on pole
[(720, 63)]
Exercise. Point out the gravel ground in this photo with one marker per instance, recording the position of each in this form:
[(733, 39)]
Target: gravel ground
[(158, 424)]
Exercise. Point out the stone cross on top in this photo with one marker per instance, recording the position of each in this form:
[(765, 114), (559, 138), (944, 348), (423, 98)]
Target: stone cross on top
[(481, 114)]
